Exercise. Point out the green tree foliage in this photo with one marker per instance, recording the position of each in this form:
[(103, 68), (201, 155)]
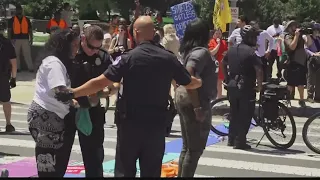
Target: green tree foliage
[(39, 9)]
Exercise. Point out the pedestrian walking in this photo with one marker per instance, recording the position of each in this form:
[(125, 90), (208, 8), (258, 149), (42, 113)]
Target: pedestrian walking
[(8, 74), (147, 71)]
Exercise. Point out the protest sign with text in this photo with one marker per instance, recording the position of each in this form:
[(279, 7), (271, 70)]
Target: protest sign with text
[(182, 14)]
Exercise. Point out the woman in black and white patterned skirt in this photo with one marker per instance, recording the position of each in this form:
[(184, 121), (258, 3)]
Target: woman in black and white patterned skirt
[(46, 115)]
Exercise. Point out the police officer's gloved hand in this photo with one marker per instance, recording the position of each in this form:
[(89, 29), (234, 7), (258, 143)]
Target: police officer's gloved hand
[(13, 82), (64, 95)]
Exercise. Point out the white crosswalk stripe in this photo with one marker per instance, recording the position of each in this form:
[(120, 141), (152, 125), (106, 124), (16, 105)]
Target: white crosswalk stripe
[(218, 160)]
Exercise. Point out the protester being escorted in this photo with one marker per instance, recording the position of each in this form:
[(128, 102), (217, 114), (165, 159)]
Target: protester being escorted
[(90, 62), (262, 52), (245, 67), (66, 14), (275, 31), (297, 68), (194, 105), (47, 117), (313, 63), (235, 37), (218, 48), (141, 122), (21, 35), (120, 43), (56, 21), (8, 74)]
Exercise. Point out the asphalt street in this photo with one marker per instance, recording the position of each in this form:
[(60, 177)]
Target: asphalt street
[(218, 160)]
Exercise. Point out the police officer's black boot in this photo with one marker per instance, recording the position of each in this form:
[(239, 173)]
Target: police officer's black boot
[(231, 141), (241, 143)]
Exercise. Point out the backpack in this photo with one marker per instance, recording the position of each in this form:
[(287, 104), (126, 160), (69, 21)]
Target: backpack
[(284, 56)]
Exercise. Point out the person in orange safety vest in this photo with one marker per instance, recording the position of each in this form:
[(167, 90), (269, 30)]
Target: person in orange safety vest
[(56, 21), (21, 35)]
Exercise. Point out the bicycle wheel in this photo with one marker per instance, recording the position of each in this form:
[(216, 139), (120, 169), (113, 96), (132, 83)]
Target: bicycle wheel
[(306, 135), (221, 116), (278, 124)]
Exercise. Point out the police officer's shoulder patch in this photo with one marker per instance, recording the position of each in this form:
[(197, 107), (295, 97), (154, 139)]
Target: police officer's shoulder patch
[(117, 60)]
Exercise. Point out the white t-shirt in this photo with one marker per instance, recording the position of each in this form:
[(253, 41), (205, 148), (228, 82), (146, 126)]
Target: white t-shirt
[(273, 31), (51, 74), (235, 37)]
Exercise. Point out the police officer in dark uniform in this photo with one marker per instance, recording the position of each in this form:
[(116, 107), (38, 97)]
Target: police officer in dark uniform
[(90, 62), (244, 68), (147, 72), (8, 73)]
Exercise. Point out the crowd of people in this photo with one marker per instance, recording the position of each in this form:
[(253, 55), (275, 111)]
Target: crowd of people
[(145, 62)]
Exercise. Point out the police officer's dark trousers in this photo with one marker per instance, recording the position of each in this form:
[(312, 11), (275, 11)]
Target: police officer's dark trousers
[(242, 105), (140, 138), (194, 133)]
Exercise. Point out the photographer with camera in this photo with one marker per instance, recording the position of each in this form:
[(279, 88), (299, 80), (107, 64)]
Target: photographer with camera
[(297, 56), (313, 63)]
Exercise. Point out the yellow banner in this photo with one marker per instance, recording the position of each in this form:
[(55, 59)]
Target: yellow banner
[(221, 15)]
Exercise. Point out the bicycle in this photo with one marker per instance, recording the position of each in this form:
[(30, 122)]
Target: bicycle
[(305, 132), (270, 96)]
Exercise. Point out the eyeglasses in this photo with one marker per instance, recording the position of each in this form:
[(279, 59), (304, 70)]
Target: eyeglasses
[(92, 47)]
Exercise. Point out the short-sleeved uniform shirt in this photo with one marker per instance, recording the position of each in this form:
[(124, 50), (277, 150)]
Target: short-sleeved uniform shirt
[(7, 53), (147, 72), (19, 36), (86, 67), (241, 60)]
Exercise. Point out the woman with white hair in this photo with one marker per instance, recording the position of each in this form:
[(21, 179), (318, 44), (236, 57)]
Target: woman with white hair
[(170, 40)]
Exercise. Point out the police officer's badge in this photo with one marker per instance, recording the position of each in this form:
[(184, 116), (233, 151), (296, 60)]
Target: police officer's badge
[(115, 62), (98, 61)]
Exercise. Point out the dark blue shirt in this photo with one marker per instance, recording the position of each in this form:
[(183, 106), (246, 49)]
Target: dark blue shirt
[(147, 72)]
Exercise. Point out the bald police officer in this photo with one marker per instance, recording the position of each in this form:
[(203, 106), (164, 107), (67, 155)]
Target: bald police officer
[(147, 72)]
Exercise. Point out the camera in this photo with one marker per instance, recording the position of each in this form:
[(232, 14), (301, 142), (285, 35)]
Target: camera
[(306, 31)]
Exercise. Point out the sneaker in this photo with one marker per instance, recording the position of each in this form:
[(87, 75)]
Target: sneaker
[(10, 128), (302, 103), (4, 173)]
